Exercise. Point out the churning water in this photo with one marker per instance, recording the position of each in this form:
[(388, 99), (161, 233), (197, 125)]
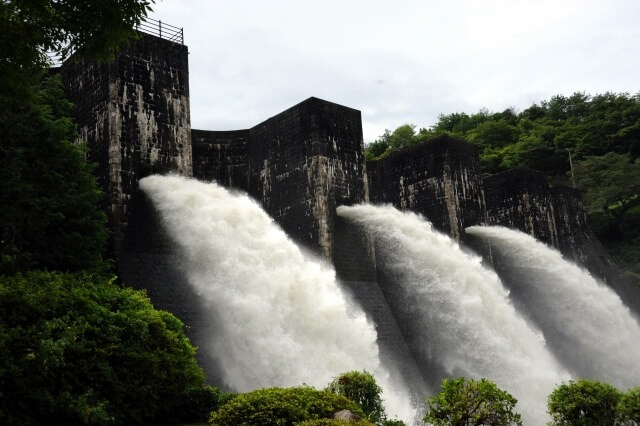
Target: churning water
[(280, 316), (468, 324), (585, 322)]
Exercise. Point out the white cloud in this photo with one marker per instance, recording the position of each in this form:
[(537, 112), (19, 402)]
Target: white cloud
[(402, 61)]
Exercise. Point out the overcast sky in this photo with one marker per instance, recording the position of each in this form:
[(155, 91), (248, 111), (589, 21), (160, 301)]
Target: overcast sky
[(399, 61)]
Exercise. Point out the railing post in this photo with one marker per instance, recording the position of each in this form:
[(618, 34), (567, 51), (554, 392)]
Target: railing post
[(182, 35), (160, 28)]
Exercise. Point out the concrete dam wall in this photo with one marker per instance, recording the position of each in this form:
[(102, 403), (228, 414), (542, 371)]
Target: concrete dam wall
[(300, 164)]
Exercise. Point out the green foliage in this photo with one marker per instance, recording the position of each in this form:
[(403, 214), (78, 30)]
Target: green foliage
[(334, 422), (79, 349), (50, 216), (583, 403), (402, 137), (278, 406), (463, 402), (361, 388), (628, 409), (194, 405), (30, 29), (611, 182)]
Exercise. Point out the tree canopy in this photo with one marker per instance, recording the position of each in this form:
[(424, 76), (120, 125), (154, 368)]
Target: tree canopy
[(81, 350), (465, 402), (281, 406), (539, 136), (361, 388), (584, 403), (50, 216), (33, 29)]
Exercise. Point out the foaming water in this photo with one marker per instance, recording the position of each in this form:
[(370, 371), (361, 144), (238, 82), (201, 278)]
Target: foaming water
[(466, 320), (585, 321), (280, 316)]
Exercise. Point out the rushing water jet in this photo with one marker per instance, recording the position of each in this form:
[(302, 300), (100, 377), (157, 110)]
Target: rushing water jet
[(280, 317), (585, 322), (460, 313)]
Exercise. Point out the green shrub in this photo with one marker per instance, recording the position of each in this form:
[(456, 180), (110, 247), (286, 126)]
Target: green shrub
[(463, 402), (193, 406), (584, 403), (278, 406), (82, 350), (334, 422), (628, 409), (49, 196), (361, 388)]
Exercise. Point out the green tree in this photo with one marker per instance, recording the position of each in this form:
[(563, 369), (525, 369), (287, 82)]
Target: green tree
[(611, 184), (81, 350), (462, 402), (50, 216), (379, 147), (278, 406), (31, 29), (361, 388), (628, 409), (583, 403)]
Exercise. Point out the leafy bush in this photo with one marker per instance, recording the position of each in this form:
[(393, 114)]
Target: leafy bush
[(81, 350), (193, 406), (463, 402), (334, 422), (584, 403), (628, 409), (281, 406), (49, 196), (361, 388)]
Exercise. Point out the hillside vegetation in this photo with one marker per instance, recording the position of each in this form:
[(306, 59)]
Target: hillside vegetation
[(599, 134)]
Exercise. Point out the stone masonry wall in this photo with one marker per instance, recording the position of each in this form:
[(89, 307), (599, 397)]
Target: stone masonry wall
[(134, 114), (439, 179), (520, 199), (303, 163), (221, 157)]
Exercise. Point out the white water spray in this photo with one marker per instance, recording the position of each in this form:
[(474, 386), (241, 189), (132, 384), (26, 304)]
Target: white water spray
[(594, 331), (470, 326), (280, 316)]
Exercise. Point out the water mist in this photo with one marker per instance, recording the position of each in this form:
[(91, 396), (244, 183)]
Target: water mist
[(279, 315), (584, 321), (465, 320)]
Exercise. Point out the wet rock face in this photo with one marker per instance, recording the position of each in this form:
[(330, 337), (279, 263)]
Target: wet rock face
[(134, 115), (439, 179)]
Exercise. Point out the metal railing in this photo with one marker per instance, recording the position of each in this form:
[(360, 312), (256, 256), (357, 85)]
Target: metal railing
[(161, 29), (148, 26)]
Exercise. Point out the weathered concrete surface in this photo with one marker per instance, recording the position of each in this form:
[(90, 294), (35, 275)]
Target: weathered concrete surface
[(134, 115), (439, 178), (522, 199), (222, 157), (300, 164)]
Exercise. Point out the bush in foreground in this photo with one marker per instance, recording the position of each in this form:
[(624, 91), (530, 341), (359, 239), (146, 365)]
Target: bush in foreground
[(584, 403), (361, 388), (281, 406), (628, 409), (77, 349), (463, 402)]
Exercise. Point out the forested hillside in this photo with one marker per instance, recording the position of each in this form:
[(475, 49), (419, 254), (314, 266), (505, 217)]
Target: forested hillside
[(598, 135)]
